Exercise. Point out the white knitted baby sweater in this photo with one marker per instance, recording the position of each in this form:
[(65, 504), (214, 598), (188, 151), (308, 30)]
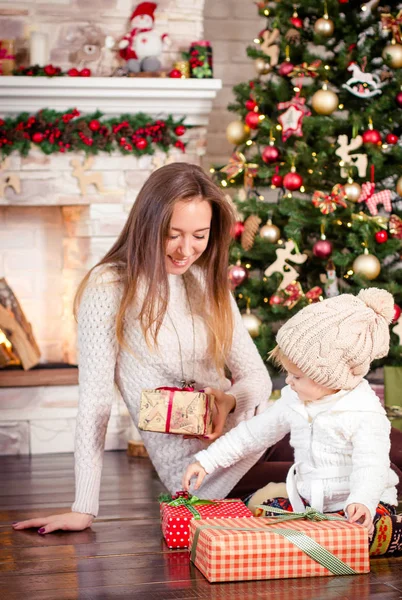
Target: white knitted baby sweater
[(102, 364)]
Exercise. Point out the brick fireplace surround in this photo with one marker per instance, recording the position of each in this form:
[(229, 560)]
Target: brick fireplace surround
[(52, 232)]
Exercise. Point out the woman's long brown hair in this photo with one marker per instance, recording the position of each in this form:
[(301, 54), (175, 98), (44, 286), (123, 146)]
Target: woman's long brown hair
[(138, 255)]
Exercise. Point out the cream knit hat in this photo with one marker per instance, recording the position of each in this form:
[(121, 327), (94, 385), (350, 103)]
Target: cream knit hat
[(333, 342)]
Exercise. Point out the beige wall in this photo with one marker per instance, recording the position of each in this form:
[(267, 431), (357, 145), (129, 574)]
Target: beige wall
[(231, 26)]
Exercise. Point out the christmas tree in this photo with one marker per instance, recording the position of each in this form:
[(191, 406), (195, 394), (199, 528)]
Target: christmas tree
[(320, 124)]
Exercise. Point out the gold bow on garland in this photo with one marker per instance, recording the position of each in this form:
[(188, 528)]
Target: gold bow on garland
[(309, 70), (378, 220), (394, 24), (395, 227), (237, 164), (328, 203)]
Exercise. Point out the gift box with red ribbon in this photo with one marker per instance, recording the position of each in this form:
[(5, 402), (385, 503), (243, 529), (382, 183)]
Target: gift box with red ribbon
[(176, 410), (177, 514), (271, 548)]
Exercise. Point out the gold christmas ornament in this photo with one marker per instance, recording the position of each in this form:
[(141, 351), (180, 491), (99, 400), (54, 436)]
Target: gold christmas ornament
[(324, 101), (262, 66), (368, 265), (237, 132), (252, 323), (324, 26), (392, 55), (251, 225), (399, 187), (352, 191), (270, 233)]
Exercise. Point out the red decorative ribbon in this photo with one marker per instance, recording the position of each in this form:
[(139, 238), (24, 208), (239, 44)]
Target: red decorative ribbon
[(328, 203), (372, 200), (172, 391), (314, 294), (305, 69), (394, 24), (395, 227)]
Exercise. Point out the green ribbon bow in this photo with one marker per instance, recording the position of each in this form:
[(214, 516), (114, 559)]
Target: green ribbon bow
[(189, 503), (309, 546)]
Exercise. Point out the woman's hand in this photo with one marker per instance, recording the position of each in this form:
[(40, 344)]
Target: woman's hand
[(224, 404), (72, 521), (359, 513), (194, 470)]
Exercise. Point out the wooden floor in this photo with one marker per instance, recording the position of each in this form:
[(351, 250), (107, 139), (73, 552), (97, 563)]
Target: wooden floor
[(123, 555)]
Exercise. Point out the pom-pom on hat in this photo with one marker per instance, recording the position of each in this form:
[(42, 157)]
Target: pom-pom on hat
[(334, 342)]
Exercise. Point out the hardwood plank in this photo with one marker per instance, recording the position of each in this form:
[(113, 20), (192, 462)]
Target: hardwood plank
[(35, 377)]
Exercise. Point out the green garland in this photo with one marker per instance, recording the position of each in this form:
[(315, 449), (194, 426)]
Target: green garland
[(55, 132)]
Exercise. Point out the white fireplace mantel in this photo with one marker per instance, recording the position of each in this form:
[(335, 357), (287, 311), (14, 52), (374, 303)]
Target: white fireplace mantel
[(156, 96)]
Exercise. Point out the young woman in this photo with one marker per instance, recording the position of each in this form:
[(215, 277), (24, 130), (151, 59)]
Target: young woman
[(157, 311)]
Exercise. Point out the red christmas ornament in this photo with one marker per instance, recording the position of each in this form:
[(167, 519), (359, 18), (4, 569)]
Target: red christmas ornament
[(322, 249), (397, 313), (252, 120), (277, 180), (398, 99), (85, 73), (250, 104), (38, 137), (391, 138), (343, 1), (73, 72), (372, 136), (94, 125), (275, 299), (237, 274), (270, 154), (296, 22), (175, 74), (292, 181), (180, 130), (381, 236), (141, 144), (237, 229), (285, 69)]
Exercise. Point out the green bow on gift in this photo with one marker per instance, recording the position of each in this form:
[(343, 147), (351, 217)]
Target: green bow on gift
[(309, 546), (188, 501)]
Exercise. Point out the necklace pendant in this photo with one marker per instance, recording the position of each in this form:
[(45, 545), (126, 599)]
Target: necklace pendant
[(184, 383)]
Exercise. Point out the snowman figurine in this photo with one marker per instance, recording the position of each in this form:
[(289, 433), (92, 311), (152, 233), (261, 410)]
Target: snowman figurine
[(142, 47)]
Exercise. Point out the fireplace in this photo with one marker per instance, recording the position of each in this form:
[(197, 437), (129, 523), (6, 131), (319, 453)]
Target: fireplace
[(59, 220)]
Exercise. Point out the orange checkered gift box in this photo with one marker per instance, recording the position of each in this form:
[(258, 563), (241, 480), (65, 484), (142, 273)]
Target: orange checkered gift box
[(279, 548), (179, 510)]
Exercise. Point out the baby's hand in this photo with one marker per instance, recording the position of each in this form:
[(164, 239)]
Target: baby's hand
[(359, 513), (194, 470)]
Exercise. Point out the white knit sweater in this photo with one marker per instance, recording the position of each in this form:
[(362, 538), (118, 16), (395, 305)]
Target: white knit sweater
[(351, 435), (102, 364)]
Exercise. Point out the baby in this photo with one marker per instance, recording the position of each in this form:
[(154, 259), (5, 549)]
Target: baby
[(338, 428)]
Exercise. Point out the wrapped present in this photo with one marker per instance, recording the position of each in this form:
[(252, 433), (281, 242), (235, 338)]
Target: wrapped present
[(176, 410), (177, 514), (271, 548)]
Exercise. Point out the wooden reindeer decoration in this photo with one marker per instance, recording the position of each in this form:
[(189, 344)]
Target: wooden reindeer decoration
[(269, 46), (356, 160), (89, 178), (283, 255), (12, 180)]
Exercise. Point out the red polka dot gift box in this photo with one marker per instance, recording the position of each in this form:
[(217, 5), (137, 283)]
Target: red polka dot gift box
[(179, 510)]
